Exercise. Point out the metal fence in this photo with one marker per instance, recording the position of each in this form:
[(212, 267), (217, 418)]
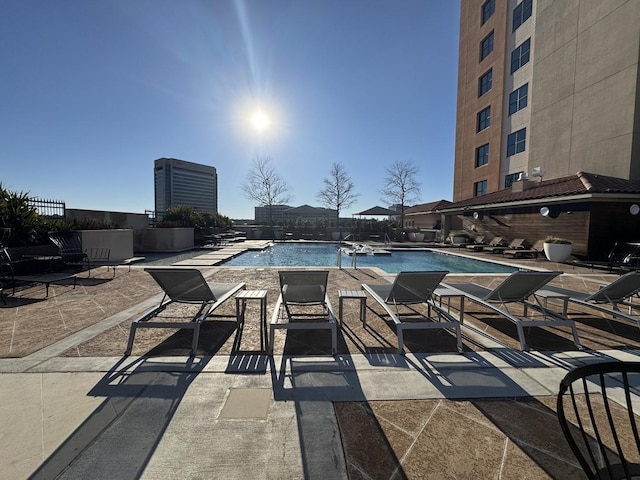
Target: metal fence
[(48, 208)]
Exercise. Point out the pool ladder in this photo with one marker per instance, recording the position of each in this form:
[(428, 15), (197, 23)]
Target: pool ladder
[(354, 259)]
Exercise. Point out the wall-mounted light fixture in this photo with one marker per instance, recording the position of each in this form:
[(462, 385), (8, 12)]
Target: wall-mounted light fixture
[(634, 209), (478, 215), (549, 212)]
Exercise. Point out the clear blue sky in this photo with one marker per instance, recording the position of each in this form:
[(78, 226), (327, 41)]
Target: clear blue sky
[(93, 91)]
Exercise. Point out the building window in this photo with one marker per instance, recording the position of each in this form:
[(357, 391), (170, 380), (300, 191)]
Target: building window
[(520, 56), (479, 188), (484, 119), (486, 46), (516, 142), (482, 155), (488, 8), (484, 84), (518, 99), (512, 177), (521, 13)]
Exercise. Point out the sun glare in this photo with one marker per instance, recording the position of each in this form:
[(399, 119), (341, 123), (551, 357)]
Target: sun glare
[(260, 121)]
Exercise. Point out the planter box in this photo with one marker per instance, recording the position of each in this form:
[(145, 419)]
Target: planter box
[(557, 252), (119, 242), (164, 239)]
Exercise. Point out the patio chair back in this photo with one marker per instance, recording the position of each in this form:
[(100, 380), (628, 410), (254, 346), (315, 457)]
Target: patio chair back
[(414, 287), (495, 242), (69, 246), (618, 290), (602, 434), (516, 243), (303, 287), (519, 286), (186, 285)]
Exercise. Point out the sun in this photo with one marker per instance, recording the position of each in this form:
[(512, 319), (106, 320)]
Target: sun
[(260, 121)]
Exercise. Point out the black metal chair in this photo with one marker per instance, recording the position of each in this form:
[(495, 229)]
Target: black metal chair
[(596, 414), (70, 248)]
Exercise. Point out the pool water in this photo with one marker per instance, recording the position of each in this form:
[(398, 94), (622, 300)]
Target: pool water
[(326, 255)]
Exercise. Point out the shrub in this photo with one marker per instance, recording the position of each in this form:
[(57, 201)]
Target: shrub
[(24, 220), (557, 240)]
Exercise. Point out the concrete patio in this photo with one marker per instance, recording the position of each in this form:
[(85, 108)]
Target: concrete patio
[(72, 406)]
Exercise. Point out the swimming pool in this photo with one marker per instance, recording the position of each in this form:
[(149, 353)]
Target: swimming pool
[(326, 254)]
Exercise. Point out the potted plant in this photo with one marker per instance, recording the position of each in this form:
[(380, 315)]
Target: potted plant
[(557, 249)]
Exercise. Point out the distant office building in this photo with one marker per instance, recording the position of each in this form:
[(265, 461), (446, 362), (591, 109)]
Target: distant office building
[(547, 88), (182, 183)]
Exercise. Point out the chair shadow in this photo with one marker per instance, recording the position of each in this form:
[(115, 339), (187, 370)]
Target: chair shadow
[(324, 391), (118, 439), (213, 335)]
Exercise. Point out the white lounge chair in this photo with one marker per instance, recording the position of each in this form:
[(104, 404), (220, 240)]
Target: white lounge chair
[(411, 288), (609, 298), (184, 285), (303, 303), (516, 288)]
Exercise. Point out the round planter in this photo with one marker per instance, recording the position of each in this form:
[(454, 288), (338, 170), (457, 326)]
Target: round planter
[(557, 252), (419, 237), (412, 236)]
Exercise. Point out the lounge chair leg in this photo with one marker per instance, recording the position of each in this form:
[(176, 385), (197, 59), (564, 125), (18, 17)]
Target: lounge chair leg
[(400, 341), (523, 343), (194, 342), (334, 340), (132, 334)]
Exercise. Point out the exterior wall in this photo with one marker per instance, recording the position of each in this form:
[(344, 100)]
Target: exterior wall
[(585, 88), (182, 183), (527, 223), (470, 69)]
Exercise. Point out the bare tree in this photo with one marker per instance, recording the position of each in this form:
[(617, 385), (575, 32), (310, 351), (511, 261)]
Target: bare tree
[(401, 185), (338, 191), (265, 186)]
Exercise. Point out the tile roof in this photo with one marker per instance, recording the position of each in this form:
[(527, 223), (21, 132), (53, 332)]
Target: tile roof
[(582, 183), (428, 207)]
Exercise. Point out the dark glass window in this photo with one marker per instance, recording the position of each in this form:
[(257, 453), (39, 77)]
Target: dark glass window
[(488, 8), (520, 56), (482, 155), (484, 119), (518, 99), (480, 188), (521, 13), (486, 46), (512, 177), (484, 84), (516, 142)]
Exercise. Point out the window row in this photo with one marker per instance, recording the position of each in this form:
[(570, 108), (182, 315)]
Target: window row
[(516, 143), (520, 55), (488, 9), (521, 13)]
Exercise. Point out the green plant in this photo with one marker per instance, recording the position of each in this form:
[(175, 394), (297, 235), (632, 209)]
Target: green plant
[(557, 240), (17, 213)]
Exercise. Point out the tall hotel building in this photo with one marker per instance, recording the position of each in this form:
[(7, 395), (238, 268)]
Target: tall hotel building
[(181, 183), (546, 87)]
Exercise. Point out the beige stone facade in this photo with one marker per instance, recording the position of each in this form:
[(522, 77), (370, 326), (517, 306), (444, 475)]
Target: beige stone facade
[(582, 109)]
